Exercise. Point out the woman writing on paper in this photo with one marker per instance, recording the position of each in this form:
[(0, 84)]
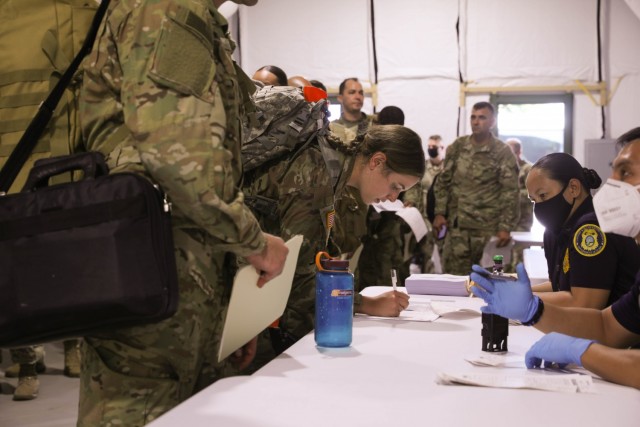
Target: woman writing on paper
[(377, 166)]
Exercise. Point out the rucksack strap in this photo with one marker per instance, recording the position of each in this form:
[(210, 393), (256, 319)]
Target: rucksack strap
[(32, 134)]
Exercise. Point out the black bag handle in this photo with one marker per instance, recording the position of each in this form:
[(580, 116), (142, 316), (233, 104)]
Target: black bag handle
[(32, 134), (91, 163)]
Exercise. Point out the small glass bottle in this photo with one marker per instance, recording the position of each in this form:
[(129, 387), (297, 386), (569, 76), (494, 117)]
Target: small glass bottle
[(334, 303), (495, 329)]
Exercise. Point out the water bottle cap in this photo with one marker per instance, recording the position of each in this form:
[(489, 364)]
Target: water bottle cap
[(335, 264), (498, 258)]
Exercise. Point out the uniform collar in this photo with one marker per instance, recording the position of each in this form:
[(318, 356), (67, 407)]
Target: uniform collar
[(344, 121)]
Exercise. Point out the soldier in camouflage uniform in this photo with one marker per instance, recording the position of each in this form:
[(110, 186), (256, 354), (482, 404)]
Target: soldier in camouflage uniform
[(352, 122), (162, 97), (476, 193), (379, 166)]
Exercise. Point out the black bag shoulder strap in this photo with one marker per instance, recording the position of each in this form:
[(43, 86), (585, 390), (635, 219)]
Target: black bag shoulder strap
[(32, 134)]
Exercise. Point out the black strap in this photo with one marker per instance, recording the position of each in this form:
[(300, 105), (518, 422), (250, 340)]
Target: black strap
[(33, 132)]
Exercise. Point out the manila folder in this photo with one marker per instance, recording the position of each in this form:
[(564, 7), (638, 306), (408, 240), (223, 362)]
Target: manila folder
[(253, 309)]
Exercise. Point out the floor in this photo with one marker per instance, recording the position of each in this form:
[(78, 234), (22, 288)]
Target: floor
[(57, 403)]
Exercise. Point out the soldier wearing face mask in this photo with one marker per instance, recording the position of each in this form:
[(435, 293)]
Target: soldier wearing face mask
[(588, 267)]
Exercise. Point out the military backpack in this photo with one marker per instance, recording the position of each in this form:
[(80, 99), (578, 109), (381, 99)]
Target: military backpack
[(285, 121), (38, 41)]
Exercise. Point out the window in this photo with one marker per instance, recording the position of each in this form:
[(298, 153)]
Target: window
[(542, 122)]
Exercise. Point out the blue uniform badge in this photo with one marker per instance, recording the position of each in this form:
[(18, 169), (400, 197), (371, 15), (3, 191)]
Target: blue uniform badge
[(589, 240)]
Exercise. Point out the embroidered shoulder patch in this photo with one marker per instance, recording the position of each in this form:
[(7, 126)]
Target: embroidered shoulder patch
[(589, 240)]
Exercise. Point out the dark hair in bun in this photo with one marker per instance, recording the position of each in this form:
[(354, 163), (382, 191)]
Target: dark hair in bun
[(563, 167)]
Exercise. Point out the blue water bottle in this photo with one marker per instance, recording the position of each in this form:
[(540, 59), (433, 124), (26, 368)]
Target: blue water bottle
[(334, 302)]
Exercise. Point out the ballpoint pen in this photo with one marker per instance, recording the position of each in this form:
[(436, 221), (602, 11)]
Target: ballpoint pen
[(394, 279)]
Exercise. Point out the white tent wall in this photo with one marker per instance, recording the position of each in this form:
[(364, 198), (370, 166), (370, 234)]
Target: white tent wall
[(505, 43)]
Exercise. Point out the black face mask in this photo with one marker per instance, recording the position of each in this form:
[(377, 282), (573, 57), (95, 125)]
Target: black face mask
[(553, 212), (433, 152)]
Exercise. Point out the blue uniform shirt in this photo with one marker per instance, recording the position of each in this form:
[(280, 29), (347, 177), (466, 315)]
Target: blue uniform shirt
[(627, 309), (582, 255)]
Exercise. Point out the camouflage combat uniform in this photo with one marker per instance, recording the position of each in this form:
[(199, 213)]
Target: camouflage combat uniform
[(477, 192), (27, 355), (162, 97), (347, 130)]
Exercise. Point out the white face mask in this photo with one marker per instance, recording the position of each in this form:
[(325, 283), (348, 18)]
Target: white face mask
[(617, 206)]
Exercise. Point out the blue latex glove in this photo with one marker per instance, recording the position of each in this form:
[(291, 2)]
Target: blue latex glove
[(556, 348), (513, 300)]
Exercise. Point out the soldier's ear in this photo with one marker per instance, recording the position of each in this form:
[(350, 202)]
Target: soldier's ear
[(377, 159)]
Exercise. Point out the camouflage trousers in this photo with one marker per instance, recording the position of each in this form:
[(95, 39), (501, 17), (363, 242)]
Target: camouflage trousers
[(27, 355), (131, 376), (463, 247)]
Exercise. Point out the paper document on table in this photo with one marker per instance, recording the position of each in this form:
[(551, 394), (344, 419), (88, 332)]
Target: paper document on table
[(567, 383), (437, 284), (253, 309), (414, 219), (497, 360), (416, 312)]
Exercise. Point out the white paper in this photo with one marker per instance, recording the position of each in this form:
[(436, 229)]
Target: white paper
[(415, 221), (567, 383), (497, 360), (388, 205), (252, 309), (417, 311), (442, 308), (491, 249)]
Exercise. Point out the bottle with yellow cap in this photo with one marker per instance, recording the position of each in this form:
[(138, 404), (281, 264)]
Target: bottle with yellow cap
[(334, 302)]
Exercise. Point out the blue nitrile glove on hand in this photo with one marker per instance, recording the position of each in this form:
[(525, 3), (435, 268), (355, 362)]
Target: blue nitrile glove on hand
[(513, 300), (556, 348)]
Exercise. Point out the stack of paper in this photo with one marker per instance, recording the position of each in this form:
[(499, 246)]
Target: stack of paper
[(437, 284)]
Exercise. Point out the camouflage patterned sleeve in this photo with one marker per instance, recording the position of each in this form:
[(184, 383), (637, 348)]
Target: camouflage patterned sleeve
[(443, 184), (168, 71), (413, 195), (510, 192)]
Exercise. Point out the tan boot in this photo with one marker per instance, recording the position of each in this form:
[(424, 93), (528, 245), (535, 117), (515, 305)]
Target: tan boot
[(71, 359), (28, 384), (27, 389), (14, 370)]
